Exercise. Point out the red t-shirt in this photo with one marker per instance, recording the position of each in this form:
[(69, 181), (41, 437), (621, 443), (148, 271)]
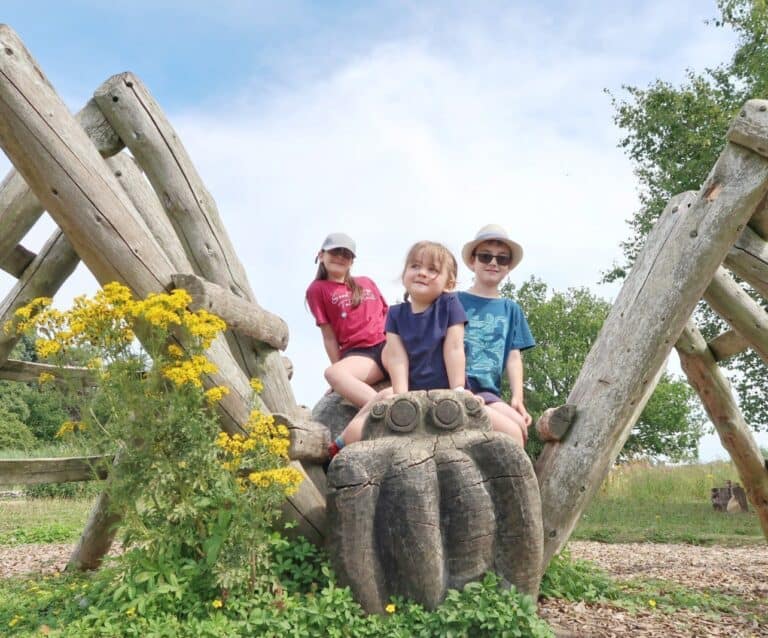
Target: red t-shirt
[(360, 327)]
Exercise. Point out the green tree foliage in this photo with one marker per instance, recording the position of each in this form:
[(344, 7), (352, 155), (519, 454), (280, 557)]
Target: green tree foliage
[(565, 326), (673, 134)]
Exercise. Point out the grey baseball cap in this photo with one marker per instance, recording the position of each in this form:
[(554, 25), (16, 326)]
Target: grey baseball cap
[(339, 240)]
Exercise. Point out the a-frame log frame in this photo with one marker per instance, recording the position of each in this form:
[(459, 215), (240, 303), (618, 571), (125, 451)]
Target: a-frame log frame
[(679, 260), (57, 160)]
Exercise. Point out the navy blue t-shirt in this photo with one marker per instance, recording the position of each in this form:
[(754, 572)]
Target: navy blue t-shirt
[(496, 326), (423, 335)]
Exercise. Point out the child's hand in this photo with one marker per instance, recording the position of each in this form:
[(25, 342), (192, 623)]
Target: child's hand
[(518, 405)]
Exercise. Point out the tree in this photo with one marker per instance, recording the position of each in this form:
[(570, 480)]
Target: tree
[(565, 326), (673, 135)]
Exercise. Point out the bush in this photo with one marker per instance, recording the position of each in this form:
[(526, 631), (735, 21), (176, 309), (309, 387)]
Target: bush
[(14, 434), (76, 489)]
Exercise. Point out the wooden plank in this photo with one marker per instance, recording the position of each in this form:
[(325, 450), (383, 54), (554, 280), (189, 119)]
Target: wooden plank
[(727, 345), (736, 436), (729, 300), (245, 317), (670, 275), (135, 115), (54, 470), (749, 260), (15, 370), (43, 278)]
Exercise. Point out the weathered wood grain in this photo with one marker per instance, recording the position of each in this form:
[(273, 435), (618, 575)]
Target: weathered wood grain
[(53, 470), (749, 260), (727, 344), (240, 315), (16, 261), (714, 390), (554, 423), (309, 440), (729, 300), (670, 275)]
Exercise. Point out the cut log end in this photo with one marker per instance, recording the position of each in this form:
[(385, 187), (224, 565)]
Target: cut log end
[(554, 423)]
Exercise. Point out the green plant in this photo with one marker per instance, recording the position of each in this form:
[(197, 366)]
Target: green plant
[(50, 533), (195, 503), (79, 489), (14, 434)]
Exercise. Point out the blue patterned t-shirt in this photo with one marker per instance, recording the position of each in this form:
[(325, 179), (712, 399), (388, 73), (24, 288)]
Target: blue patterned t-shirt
[(495, 327)]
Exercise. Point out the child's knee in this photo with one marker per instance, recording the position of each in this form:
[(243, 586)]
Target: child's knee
[(331, 374)]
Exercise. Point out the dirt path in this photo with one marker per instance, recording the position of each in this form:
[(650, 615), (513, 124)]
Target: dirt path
[(741, 572)]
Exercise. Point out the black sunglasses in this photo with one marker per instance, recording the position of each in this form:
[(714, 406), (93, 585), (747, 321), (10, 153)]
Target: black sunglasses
[(341, 252), (487, 258)]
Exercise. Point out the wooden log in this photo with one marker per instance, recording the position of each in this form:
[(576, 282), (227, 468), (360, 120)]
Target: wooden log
[(43, 278), (144, 198), (288, 365), (727, 344), (309, 439), (729, 300), (240, 315), (16, 261), (554, 423), (15, 370), (670, 275), (135, 115), (749, 260), (54, 470), (97, 537), (73, 183), (714, 390), (19, 206)]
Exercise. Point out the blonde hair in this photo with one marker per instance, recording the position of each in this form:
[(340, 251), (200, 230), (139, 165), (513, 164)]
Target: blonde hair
[(438, 255)]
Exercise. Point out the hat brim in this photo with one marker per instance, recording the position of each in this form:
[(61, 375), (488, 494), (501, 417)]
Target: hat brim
[(515, 249)]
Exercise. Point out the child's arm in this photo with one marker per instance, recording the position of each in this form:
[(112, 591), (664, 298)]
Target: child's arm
[(396, 361), (330, 343), (453, 353), (515, 375)]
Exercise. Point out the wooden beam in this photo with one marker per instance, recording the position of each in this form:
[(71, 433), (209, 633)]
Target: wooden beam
[(16, 261), (680, 256), (135, 115), (42, 278), (15, 370), (729, 300), (715, 393), (53, 470), (245, 317), (749, 260), (727, 344)]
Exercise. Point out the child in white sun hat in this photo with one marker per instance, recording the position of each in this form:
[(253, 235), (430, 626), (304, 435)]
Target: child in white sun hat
[(497, 331)]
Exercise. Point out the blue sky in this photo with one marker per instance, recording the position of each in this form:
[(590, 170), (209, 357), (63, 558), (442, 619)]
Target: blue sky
[(392, 121)]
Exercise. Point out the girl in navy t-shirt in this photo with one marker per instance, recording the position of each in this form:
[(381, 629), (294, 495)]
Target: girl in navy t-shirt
[(425, 334)]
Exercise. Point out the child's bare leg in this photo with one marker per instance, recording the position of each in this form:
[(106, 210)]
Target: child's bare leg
[(354, 430), (352, 378), (506, 419)]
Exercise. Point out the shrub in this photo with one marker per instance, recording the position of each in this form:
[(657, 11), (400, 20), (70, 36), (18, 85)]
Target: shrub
[(14, 434)]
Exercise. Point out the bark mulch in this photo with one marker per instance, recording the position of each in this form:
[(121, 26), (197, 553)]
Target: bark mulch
[(741, 572)]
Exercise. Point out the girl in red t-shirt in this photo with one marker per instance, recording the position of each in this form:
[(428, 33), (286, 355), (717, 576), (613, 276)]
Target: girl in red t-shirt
[(350, 312)]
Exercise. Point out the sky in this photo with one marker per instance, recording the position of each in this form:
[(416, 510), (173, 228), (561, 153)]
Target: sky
[(391, 121)]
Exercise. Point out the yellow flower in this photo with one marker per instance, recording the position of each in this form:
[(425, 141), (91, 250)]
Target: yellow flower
[(45, 377), (216, 394), (15, 620), (131, 611), (257, 385), (217, 604), (390, 609), (651, 603), (182, 464), (175, 351)]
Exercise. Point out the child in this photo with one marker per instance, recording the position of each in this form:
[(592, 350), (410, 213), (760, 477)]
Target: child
[(425, 333), (497, 331), (350, 312)]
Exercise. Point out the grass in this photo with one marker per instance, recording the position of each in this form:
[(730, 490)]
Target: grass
[(45, 520), (666, 504)]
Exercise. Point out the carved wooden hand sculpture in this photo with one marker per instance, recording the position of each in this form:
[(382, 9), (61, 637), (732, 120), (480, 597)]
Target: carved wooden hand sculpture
[(431, 499)]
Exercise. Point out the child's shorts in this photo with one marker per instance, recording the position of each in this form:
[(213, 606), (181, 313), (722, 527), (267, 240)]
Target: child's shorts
[(372, 352), (489, 397)]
